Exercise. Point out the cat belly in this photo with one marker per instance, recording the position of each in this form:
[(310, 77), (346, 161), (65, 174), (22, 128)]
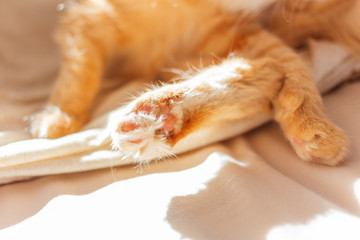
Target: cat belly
[(169, 33)]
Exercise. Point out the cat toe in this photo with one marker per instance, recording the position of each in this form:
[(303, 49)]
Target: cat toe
[(328, 145)]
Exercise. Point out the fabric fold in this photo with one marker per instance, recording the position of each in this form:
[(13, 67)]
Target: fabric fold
[(90, 149)]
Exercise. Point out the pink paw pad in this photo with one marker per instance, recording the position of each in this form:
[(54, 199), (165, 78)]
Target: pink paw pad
[(128, 126), (146, 131), (145, 108), (169, 121), (161, 115), (298, 140)]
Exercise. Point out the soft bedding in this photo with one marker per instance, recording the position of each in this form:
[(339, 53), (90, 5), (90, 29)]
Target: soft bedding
[(243, 187)]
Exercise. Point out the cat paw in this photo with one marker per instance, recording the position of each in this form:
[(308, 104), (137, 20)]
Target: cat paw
[(53, 123), (147, 129), (320, 142)]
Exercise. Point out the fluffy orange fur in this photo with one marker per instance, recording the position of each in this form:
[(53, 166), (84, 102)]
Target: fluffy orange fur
[(241, 68)]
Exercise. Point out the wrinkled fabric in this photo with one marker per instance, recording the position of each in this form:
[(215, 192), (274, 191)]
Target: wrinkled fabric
[(244, 187)]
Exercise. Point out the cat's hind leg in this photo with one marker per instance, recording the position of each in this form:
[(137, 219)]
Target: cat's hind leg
[(233, 89)]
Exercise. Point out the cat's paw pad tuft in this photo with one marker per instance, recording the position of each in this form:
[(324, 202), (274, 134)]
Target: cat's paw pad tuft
[(146, 131)]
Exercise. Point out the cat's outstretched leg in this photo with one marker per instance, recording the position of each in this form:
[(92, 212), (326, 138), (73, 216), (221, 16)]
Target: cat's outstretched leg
[(298, 106), (231, 90), (84, 48)]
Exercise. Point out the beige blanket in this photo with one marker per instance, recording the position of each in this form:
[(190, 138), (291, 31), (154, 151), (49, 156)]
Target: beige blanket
[(251, 187)]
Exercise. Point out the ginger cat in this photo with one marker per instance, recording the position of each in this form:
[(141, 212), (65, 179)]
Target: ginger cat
[(253, 71)]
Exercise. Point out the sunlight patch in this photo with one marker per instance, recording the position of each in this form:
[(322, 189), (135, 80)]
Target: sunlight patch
[(331, 225), (357, 190)]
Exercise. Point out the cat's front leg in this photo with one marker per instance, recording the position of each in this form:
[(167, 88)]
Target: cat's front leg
[(75, 88), (52, 122), (85, 41)]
